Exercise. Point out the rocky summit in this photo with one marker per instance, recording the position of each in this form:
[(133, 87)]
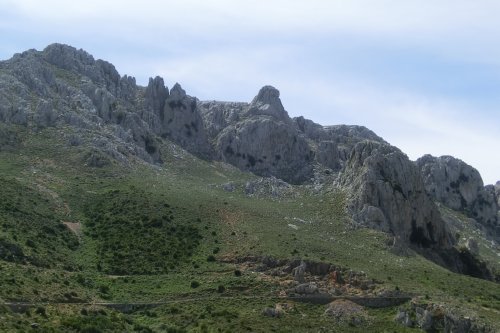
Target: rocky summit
[(386, 188), (295, 186)]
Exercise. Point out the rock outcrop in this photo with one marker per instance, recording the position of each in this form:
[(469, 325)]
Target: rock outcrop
[(266, 147), (218, 115), (438, 318), (154, 103), (497, 193), (259, 137), (63, 86), (183, 124), (268, 103), (460, 187), (334, 143), (387, 193)]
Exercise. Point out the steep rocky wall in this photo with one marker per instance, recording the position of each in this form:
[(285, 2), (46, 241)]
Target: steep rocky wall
[(182, 123), (65, 86), (262, 139), (387, 193), (266, 147), (460, 187)]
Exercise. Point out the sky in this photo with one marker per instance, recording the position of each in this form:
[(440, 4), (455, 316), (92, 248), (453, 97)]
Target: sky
[(422, 74)]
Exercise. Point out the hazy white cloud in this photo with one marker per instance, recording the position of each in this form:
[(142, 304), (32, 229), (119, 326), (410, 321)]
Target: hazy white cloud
[(417, 124), (228, 49), (411, 19)]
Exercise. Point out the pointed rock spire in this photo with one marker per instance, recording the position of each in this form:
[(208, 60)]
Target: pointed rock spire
[(268, 103), (156, 94), (177, 92)]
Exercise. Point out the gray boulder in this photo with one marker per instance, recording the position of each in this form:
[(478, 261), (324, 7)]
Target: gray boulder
[(403, 317), (386, 192), (272, 312), (299, 273), (306, 289)]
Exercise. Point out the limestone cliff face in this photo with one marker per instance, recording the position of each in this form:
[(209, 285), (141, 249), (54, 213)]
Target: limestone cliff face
[(262, 140), (219, 115), (387, 193), (183, 124), (268, 103), (266, 147), (497, 192), (334, 143), (460, 187), (154, 102), (261, 137), (63, 86)]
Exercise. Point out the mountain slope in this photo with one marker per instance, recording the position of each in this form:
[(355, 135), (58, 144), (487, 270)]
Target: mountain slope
[(154, 187)]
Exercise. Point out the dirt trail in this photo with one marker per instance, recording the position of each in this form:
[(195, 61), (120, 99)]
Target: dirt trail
[(374, 302)]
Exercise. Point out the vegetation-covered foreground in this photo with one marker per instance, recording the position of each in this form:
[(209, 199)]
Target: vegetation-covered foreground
[(181, 247)]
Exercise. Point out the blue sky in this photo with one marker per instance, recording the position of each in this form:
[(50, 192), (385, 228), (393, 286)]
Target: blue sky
[(423, 74)]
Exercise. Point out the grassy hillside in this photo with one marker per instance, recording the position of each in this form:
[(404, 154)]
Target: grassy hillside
[(74, 237)]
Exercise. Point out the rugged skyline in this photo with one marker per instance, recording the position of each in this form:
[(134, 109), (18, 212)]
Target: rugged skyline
[(424, 76), (117, 196)]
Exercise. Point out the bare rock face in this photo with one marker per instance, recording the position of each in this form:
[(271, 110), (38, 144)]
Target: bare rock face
[(218, 115), (328, 155), (259, 137), (155, 97), (65, 86), (460, 187), (183, 124), (497, 193), (387, 193), (267, 148), (334, 143), (268, 103), (44, 114)]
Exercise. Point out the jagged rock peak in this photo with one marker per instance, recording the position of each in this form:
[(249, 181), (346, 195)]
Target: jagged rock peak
[(387, 193), (66, 56), (156, 94), (267, 95), (268, 103), (459, 186), (177, 92)]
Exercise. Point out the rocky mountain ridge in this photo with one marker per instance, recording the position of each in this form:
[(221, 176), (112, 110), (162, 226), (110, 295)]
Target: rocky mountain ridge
[(63, 86)]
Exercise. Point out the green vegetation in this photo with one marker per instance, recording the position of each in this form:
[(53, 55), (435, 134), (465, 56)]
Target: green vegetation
[(31, 229), (73, 236), (138, 233)]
